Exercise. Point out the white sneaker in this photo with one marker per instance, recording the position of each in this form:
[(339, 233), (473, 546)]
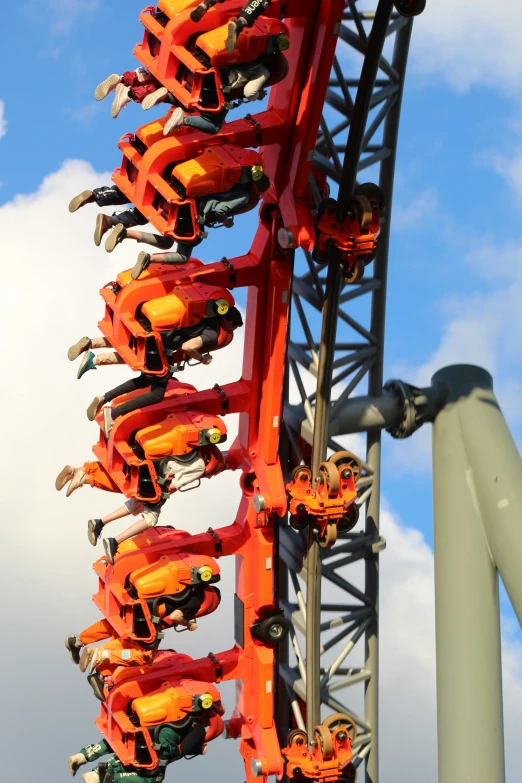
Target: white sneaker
[(75, 762), (107, 86), (76, 482), (175, 120), (156, 97), (107, 422), (86, 658), (121, 99)]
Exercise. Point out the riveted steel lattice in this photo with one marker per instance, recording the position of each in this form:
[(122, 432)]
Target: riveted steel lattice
[(355, 366)]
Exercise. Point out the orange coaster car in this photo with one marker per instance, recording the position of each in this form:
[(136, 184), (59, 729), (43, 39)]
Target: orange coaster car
[(142, 316), (136, 458), (355, 237), (153, 576), (169, 584), (167, 187), (190, 59), (130, 723)]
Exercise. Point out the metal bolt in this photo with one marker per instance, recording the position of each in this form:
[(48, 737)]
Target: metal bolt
[(286, 238)]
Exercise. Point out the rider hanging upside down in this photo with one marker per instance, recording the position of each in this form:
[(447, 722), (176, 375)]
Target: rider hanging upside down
[(173, 745), (214, 208), (192, 340), (105, 659), (179, 471)]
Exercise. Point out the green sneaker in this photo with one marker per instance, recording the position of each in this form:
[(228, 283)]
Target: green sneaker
[(87, 364)]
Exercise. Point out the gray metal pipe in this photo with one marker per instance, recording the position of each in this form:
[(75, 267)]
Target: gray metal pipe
[(467, 612), (497, 479)]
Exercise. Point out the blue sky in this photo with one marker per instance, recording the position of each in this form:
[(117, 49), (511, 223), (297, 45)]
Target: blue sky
[(455, 264)]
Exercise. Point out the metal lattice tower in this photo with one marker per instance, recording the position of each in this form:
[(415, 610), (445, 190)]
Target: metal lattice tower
[(355, 365)]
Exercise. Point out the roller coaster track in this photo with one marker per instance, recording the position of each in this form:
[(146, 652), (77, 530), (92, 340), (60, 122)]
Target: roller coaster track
[(342, 360)]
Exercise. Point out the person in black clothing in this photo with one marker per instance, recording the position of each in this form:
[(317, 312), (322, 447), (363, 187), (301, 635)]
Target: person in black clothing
[(212, 209), (108, 195), (203, 336)]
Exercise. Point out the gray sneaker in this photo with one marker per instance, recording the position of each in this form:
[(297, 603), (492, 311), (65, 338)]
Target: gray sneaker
[(94, 408), (115, 237), (75, 350), (103, 224), (86, 197), (140, 265)]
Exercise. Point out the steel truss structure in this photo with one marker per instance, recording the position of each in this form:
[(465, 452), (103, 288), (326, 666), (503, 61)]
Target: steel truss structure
[(361, 116)]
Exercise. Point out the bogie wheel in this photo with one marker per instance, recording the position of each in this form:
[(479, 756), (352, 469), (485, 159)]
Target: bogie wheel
[(330, 536), (349, 459), (349, 521), (299, 523), (340, 720), (330, 476), (410, 8), (297, 737), (372, 192), (273, 629), (350, 774), (301, 469), (324, 738), (327, 203), (356, 273), (369, 258), (363, 209)]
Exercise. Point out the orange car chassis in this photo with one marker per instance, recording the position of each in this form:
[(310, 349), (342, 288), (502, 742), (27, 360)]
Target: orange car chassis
[(285, 134)]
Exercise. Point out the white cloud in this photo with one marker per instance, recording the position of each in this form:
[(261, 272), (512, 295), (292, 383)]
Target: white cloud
[(415, 214), (50, 299), (58, 16), (3, 121), (470, 42)]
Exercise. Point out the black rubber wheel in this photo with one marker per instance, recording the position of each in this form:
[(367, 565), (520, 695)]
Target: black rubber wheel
[(295, 736), (273, 629), (299, 523), (409, 8), (349, 521), (372, 192)]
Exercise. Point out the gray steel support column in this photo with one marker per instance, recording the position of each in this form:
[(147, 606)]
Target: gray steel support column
[(497, 477), (375, 380), (469, 682)]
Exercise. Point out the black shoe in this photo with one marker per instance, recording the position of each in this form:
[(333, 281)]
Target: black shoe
[(94, 530), (96, 683), (111, 547), (74, 650)]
